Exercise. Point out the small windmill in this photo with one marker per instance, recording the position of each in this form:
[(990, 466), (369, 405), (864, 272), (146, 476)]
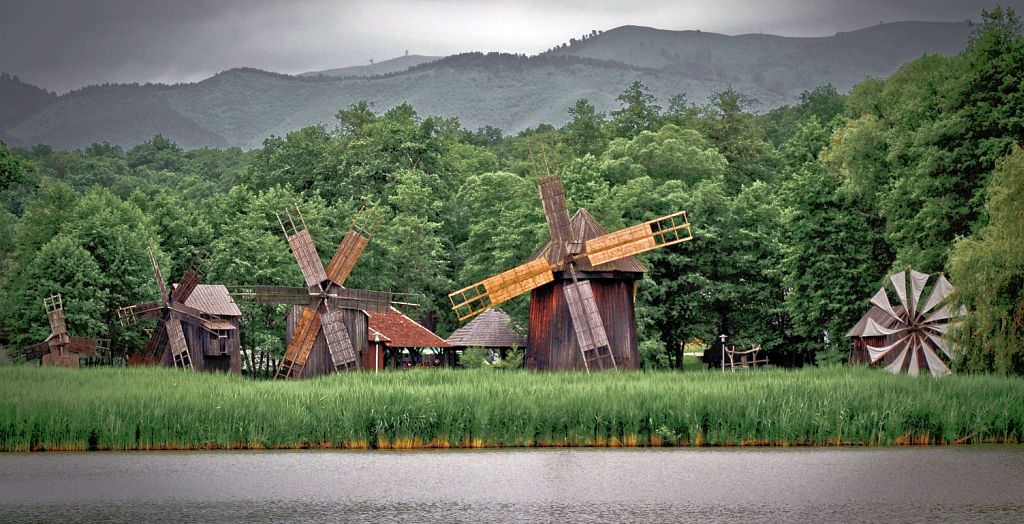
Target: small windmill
[(909, 337), (325, 299), (573, 242), (171, 311), (61, 349)]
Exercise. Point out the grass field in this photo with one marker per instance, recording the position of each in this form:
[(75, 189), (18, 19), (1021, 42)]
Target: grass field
[(156, 408)]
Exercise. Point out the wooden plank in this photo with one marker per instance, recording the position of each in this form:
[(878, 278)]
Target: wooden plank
[(187, 284), (653, 234), (472, 300), (339, 342), (309, 261), (552, 197), (364, 299), (345, 258), (176, 341)]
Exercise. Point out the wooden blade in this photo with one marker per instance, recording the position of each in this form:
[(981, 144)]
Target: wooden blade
[(309, 261), (364, 299), (345, 258), (339, 342), (87, 345), (306, 330), (55, 314), (176, 339), (35, 351), (275, 295), (186, 286), (145, 311), (589, 328), (653, 234), (157, 342), (552, 197), (492, 291), (159, 277)]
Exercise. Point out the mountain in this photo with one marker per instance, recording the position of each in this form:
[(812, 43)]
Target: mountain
[(395, 65), (18, 98), (242, 107)]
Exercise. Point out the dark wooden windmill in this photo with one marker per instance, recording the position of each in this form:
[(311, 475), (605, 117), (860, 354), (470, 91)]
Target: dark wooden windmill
[(330, 329), (185, 337), (61, 349), (571, 325)]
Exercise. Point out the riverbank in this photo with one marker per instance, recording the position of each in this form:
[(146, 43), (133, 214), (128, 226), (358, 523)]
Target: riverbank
[(157, 408)]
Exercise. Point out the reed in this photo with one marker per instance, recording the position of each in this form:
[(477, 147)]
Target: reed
[(157, 408)]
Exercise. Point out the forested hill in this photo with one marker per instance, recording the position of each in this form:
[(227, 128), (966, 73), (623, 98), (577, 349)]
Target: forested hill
[(242, 107), (395, 65), (18, 98)]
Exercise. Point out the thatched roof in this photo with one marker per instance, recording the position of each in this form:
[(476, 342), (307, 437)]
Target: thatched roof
[(591, 229), (491, 329)]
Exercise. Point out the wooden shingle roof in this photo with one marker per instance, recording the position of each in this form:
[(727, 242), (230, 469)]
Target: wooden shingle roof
[(491, 329), (400, 331), (591, 229), (213, 299)]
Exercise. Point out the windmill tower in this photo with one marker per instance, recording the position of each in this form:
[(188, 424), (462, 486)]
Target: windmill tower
[(327, 327), (910, 336), (61, 349), (187, 336), (581, 284)]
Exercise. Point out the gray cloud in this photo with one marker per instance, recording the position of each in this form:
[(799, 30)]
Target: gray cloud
[(62, 45)]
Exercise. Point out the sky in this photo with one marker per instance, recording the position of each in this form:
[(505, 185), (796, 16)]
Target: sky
[(66, 44)]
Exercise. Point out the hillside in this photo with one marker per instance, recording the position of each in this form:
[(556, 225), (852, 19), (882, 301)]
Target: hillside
[(242, 107), (18, 98), (395, 65)]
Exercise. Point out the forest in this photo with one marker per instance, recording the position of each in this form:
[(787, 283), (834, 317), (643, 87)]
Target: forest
[(799, 213)]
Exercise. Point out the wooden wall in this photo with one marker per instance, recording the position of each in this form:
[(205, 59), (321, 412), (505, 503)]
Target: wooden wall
[(208, 352), (319, 362), (552, 341)]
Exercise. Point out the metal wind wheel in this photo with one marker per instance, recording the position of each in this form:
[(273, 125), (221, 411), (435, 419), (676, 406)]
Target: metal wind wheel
[(914, 335)]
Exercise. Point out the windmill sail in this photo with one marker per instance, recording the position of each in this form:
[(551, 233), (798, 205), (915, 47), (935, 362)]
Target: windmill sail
[(552, 197), (653, 234), (344, 261), (589, 328), (490, 292), (306, 329), (339, 342)]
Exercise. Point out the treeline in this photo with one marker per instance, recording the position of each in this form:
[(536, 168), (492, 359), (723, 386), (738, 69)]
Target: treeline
[(799, 213)]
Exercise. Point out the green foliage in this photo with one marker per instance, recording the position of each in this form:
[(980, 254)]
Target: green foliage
[(12, 170), (638, 111), (988, 272), (59, 409)]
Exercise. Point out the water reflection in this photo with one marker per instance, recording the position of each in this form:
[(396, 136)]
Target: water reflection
[(775, 485)]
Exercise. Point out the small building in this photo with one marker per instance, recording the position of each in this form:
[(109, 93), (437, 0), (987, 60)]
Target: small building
[(319, 361), (859, 342), (392, 334), (214, 343), (493, 329)]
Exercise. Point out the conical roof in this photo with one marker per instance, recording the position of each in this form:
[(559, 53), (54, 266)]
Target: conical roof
[(591, 229), (491, 329)]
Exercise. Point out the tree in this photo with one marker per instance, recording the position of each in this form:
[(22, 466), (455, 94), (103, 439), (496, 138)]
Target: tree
[(988, 273), (638, 111), (12, 170), (585, 131), (736, 134)]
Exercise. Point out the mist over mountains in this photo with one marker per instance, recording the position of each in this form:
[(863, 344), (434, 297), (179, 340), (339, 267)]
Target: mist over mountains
[(241, 107)]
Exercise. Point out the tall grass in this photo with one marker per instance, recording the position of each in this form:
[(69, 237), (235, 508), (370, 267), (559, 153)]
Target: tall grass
[(156, 408)]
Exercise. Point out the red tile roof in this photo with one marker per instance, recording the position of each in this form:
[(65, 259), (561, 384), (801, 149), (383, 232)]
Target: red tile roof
[(400, 331)]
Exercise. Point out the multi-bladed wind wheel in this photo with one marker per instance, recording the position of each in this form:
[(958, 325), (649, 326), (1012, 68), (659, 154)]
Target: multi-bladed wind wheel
[(915, 335)]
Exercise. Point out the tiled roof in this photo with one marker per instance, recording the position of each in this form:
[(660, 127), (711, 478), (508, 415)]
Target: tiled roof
[(591, 230), (402, 331), (492, 329), (213, 299)]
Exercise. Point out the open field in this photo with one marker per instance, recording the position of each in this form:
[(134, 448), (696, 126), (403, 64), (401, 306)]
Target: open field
[(156, 408)]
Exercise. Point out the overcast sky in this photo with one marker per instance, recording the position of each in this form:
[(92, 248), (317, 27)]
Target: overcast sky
[(62, 45)]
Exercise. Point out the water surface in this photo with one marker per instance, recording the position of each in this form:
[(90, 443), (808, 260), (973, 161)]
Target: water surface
[(637, 485)]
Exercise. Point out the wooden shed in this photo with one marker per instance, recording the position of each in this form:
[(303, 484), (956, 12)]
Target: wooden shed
[(858, 351), (391, 332), (319, 361), (552, 343), (213, 344), (493, 329)]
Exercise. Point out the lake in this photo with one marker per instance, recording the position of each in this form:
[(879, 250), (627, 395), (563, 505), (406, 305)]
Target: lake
[(554, 485)]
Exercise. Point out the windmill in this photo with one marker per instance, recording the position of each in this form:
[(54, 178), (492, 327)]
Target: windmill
[(330, 312), (167, 341), (909, 336), (61, 349), (576, 259)]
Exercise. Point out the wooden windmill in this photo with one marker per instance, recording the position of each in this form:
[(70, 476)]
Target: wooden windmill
[(329, 312), (61, 349), (579, 257), (178, 321)]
